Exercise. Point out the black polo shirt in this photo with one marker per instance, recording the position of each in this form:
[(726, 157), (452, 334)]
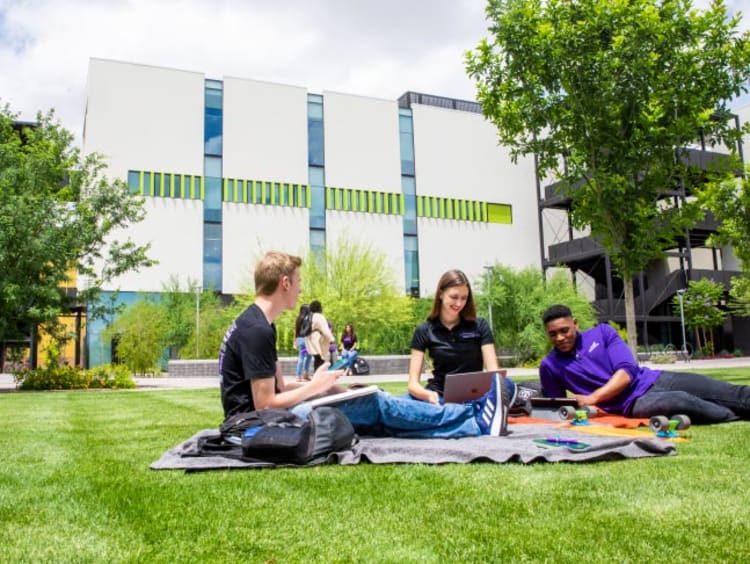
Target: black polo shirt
[(248, 351), (452, 350)]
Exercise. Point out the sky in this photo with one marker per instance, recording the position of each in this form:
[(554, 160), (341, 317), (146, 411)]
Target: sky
[(376, 48)]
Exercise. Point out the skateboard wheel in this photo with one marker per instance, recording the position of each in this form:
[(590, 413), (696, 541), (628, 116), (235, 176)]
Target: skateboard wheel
[(591, 411), (658, 423), (567, 412), (683, 421)]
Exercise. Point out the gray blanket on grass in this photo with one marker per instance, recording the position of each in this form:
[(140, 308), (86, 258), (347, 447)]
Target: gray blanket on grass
[(519, 446)]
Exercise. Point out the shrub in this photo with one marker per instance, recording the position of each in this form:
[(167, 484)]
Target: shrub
[(70, 378)]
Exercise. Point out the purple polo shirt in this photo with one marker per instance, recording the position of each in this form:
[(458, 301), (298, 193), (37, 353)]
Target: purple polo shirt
[(599, 353)]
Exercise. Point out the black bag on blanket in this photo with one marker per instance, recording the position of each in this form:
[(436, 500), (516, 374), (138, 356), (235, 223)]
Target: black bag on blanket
[(280, 436)]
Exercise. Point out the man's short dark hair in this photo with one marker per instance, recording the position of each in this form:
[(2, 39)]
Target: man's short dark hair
[(556, 312)]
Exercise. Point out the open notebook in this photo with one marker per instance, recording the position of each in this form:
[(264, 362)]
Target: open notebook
[(333, 399)]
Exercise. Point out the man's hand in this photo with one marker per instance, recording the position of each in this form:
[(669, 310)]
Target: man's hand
[(324, 379), (584, 400)]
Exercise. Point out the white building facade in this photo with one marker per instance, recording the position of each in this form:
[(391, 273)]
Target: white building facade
[(232, 168)]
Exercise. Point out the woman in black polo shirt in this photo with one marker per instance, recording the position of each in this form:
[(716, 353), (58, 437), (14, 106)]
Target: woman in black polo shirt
[(455, 338)]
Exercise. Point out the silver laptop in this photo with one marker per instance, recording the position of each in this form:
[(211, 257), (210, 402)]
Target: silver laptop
[(468, 386)]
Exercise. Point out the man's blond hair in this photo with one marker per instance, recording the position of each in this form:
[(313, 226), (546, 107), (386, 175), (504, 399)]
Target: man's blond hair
[(270, 268)]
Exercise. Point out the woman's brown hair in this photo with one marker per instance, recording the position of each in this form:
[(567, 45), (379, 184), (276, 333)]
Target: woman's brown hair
[(451, 279)]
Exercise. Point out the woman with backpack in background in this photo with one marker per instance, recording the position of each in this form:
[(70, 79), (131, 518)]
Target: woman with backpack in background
[(348, 346), (320, 338), (303, 358)]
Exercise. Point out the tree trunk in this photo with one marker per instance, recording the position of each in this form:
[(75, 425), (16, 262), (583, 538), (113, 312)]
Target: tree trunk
[(630, 316)]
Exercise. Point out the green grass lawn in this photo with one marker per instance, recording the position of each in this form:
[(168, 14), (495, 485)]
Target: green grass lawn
[(75, 486)]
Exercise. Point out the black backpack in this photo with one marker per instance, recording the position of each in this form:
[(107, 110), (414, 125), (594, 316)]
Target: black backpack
[(280, 436), (360, 367), (305, 324)]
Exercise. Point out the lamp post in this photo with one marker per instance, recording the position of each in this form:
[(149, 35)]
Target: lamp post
[(489, 296), (680, 295)]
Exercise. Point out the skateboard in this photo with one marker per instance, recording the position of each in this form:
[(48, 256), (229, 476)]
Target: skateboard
[(577, 415), (668, 426)]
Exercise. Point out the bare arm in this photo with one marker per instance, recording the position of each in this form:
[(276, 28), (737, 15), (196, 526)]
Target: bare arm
[(616, 384), (415, 387), (489, 357)]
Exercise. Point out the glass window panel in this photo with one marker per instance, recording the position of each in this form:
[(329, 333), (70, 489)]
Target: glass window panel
[(212, 276), (212, 137), (212, 166), (212, 196), (213, 99), (212, 250), (168, 185), (178, 186), (212, 230), (317, 176), (315, 143), (134, 180), (405, 123), (318, 242), (408, 186), (157, 184), (214, 84), (318, 208)]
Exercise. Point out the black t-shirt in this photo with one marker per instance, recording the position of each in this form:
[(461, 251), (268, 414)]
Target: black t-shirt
[(247, 352), (452, 350)]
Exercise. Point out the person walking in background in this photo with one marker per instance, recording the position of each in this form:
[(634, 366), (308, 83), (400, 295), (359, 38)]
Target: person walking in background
[(455, 338), (332, 348), (348, 346), (320, 339), (303, 357)]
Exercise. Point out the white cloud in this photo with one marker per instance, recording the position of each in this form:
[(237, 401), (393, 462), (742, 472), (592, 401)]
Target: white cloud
[(375, 48)]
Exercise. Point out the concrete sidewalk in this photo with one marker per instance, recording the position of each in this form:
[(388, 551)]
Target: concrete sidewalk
[(165, 382)]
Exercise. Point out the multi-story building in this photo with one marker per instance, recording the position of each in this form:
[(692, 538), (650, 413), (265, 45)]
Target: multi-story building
[(233, 167), (659, 321)]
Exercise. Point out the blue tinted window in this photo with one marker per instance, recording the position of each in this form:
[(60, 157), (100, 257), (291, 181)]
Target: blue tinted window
[(168, 185), (317, 176), (147, 184), (410, 216), (212, 275), (408, 186), (212, 199), (405, 121), (318, 208), (213, 122), (134, 180), (212, 166), (318, 242), (407, 154), (411, 264), (315, 143)]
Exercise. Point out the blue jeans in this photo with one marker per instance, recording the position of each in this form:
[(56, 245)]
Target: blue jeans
[(382, 414), (701, 398), (303, 359)]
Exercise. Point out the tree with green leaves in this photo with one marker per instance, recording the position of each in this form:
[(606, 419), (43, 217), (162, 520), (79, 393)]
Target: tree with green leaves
[(729, 200), (518, 298), (607, 94), (355, 284), (140, 333), (57, 215), (702, 311)]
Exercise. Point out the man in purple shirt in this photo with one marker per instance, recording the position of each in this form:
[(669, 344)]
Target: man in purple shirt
[(598, 368)]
